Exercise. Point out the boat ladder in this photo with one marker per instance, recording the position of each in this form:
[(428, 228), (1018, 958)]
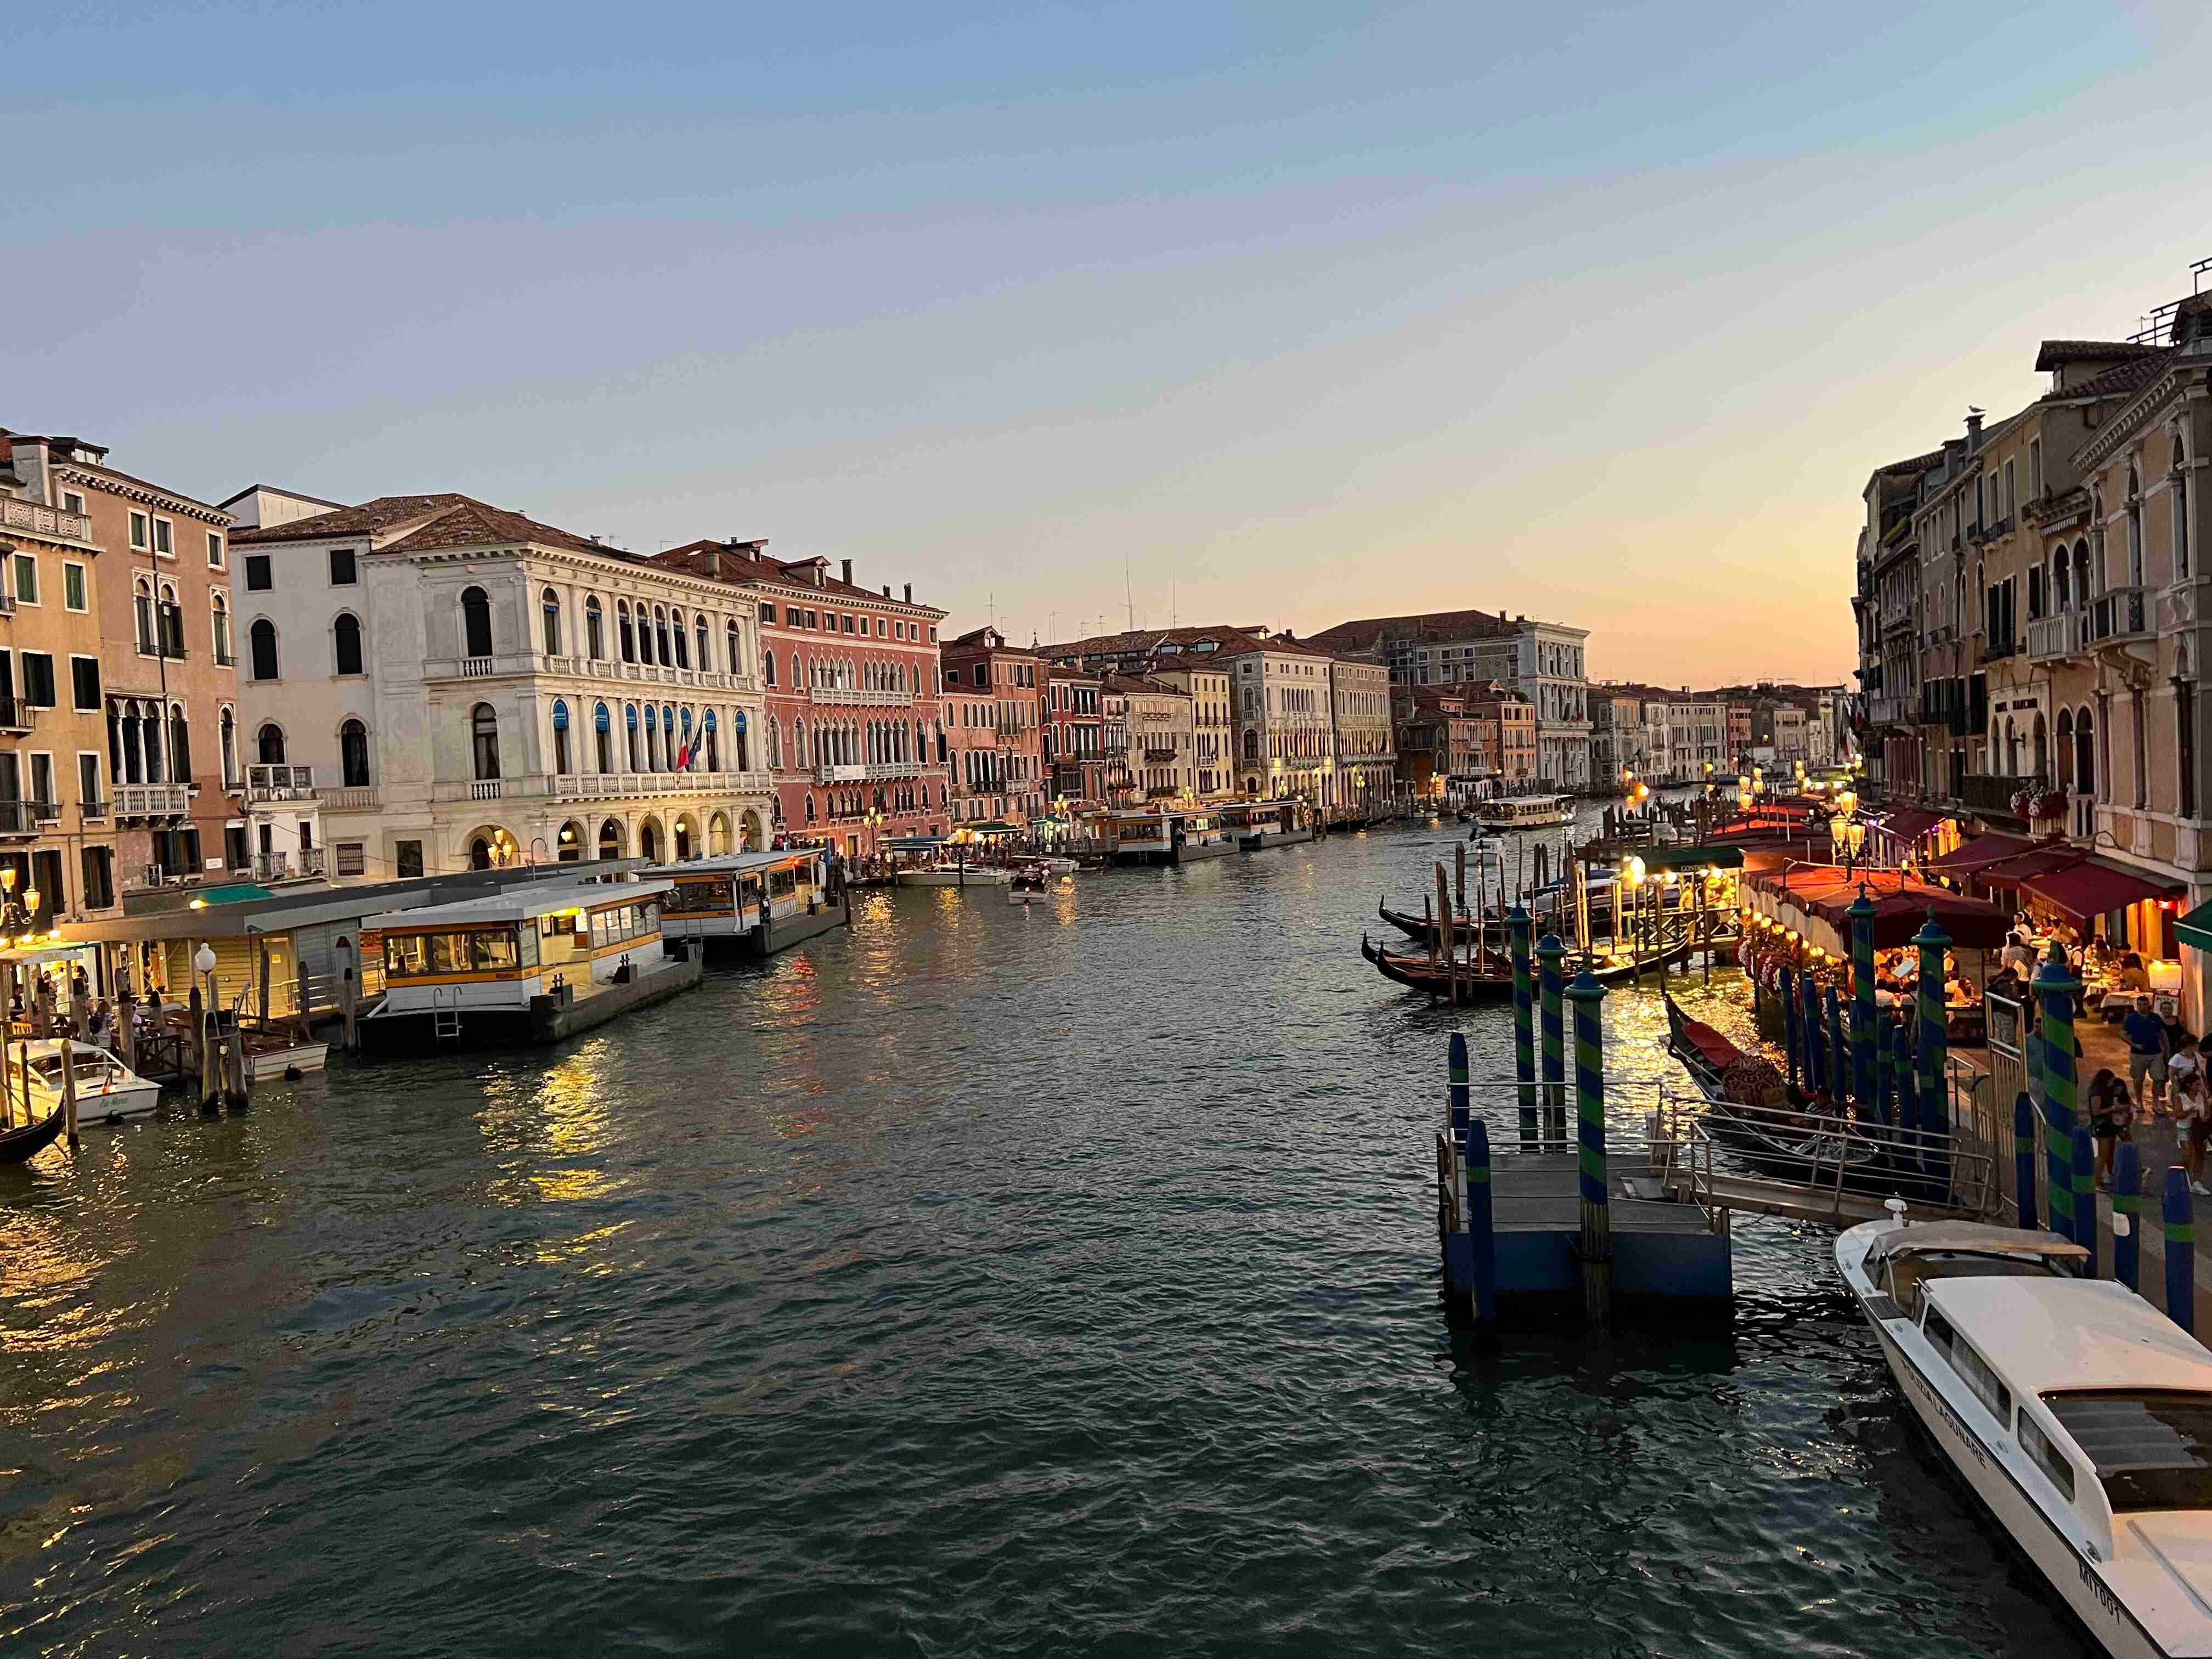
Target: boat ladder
[(444, 1022)]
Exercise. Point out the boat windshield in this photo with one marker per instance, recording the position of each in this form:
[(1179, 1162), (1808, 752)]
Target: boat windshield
[(1905, 1276), (2152, 1448)]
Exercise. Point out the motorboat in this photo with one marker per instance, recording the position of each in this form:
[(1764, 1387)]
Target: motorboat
[(108, 1091), (1509, 814), (955, 875), (1030, 882), (1060, 866), (2081, 1416)]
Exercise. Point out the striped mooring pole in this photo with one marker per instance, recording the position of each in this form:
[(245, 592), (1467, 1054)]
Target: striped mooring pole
[(2055, 986), (1864, 1051), (2127, 1214), (1908, 1108), (1935, 1050), (1524, 1021), (1481, 1226), (2023, 1157), (2085, 1195), (1550, 953), (1838, 1082), (2180, 1251), (1816, 1045), (1789, 1019), (1589, 998), (1881, 1046)]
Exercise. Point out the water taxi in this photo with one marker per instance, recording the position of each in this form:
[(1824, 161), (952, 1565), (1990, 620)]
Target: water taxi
[(1030, 882), (108, 1091), (2080, 1414), (754, 903), (1166, 835), (534, 964), (955, 874), (1507, 814)]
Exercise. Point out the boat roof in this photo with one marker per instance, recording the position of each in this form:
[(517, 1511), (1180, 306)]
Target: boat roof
[(2060, 1334), (1928, 1238), (722, 864), (522, 904)]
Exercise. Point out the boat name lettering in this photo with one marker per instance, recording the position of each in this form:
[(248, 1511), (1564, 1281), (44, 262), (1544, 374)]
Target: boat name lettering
[(2098, 1588), (1973, 1442)]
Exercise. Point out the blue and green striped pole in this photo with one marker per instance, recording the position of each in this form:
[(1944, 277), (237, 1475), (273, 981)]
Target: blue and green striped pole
[(1863, 1013), (2127, 1214), (1524, 1020), (2023, 1157), (1908, 1104), (1481, 1227), (2085, 1196), (2180, 1251), (2055, 986), (1550, 953), (1934, 1049), (1881, 1046), (1457, 1093), (1589, 998)]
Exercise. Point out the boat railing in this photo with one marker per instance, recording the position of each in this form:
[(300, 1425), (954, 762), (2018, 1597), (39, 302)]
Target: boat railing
[(1827, 1153)]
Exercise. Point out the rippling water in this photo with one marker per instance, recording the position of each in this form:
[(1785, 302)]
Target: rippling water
[(982, 1281)]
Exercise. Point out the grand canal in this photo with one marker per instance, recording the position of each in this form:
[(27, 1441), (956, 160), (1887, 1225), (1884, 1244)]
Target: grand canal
[(981, 1281)]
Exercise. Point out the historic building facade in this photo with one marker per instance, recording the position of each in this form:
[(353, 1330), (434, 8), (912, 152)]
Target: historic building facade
[(981, 661)]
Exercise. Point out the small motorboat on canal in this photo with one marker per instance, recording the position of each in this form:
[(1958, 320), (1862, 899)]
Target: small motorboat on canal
[(108, 1091), (955, 875), (2081, 1416), (1030, 882)]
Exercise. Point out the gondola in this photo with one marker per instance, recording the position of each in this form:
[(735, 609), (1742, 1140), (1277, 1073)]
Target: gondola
[(28, 1141), (1785, 1143), (1492, 978), (1419, 928)]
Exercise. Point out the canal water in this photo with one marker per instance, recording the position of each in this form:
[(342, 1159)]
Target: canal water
[(983, 1280)]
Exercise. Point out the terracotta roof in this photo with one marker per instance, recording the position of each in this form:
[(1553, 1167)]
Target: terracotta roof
[(1126, 684), (288, 495), (2056, 352), (1914, 463), (1145, 640), (2130, 376), (364, 520), (137, 483), (1425, 625), (745, 563), (470, 523)]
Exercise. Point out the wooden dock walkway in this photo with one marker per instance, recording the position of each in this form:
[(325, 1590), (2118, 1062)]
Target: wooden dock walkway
[(1540, 1192)]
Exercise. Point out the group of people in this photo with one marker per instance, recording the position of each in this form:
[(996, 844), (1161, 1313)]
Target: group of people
[(2166, 1078)]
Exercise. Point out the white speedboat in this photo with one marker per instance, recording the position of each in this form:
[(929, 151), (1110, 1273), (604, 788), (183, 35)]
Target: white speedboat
[(1031, 884), (108, 1091), (2079, 1413), (954, 875), (1507, 814), (1059, 867)]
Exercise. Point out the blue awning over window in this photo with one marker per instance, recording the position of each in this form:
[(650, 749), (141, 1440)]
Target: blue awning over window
[(651, 718), (739, 722), (687, 722), (708, 723), (560, 715), (630, 715), (600, 717)]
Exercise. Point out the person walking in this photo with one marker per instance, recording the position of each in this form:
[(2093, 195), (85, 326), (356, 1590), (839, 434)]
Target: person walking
[(2111, 1121), (2192, 1121), (2146, 1036)]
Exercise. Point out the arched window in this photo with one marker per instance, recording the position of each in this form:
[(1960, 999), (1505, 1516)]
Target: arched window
[(549, 605), (603, 737), (262, 639), (774, 742), (595, 634), (767, 668), (737, 658), (227, 728), (652, 738), (660, 632), (483, 731), (475, 624), (611, 840), (345, 643), (2085, 753), (636, 743), (683, 646), (699, 634), (2134, 528), (622, 631), (799, 745), (2180, 513), (180, 745), (2062, 583), (2081, 595), (219, 627), (353, 755), (560, 735), (268, 743), (141, 600)]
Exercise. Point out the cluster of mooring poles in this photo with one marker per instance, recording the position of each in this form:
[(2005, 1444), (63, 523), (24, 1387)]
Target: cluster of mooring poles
[(2070, 1186), (1463, 1151)]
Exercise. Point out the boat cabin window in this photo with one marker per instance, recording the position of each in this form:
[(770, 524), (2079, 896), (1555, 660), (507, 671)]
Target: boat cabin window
[(1973, 1371), (479, 950), (620, 923), (2046, 1457), (782, 881), (689, 896), (2152, 1449), (1903, 1277)]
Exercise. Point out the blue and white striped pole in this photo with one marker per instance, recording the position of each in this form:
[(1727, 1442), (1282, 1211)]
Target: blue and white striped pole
[(1589, 997), (1517, 929), (1816, 1046)]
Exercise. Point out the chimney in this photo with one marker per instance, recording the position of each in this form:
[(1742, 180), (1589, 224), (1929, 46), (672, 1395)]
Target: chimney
[(1973, 430), (887, 590), (714, 558), (845, 568), (909, 592)]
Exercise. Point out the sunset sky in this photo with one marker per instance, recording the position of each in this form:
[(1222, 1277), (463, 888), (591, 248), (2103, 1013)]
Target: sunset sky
[(1293, 312)]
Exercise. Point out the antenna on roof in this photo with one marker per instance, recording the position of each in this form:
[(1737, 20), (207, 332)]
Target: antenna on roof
[(1128, 593)]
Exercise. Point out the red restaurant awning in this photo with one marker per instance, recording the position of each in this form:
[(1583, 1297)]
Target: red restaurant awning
[(1909, 824), (1901, 905), (1982, 850), (2089, 888), (2037, 862)]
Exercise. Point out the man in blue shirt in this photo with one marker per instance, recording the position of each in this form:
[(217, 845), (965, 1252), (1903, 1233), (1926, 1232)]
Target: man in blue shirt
[(2145, 1035)]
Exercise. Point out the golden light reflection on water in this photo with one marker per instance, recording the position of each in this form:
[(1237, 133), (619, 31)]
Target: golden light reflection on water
[(554, 1130)]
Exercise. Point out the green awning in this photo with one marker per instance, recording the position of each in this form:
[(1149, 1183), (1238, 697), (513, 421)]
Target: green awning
[(993, 827), (913, 844), (237, 893), (2196, 928)]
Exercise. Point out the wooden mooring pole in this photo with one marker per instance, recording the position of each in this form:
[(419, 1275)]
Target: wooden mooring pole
[(1589, 998)]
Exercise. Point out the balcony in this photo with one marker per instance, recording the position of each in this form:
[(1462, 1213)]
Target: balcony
[(1992, 792), (2055, 639), (37, 519), (288, 867), (18, 817), (615, 786), (152, 800), (879, 772), (2119, 615), (1158, 755), (15, 716), (851, 695), (93, 811), (280, 783), (356, 798), (1894, 711)]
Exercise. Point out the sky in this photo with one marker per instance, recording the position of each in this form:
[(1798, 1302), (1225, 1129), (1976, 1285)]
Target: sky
[(1274, 313)]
